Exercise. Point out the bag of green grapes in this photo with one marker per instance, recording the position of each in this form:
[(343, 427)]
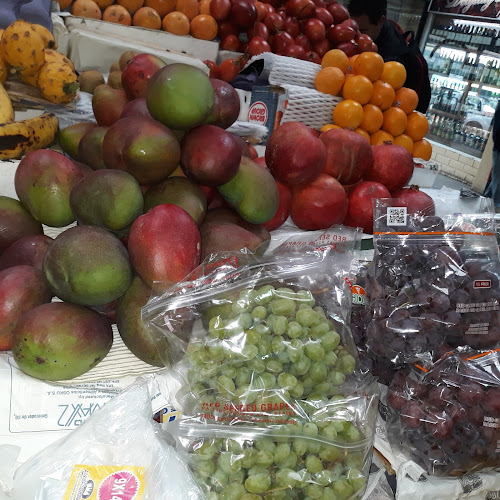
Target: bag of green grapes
[(272, 404)]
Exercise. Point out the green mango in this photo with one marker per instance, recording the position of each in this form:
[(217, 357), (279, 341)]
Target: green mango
[(252, 192)]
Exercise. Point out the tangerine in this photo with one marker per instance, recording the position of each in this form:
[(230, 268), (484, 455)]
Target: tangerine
[(131, 5), (86, 8), (406, 99), (348, 114), (405, 141), (103, 4), (394, 121), (117, 14), (417, 126), (394, 73), (383, 95), (369, 64), (380, 137), (351, 63), (176, 23), (363, 133), (205, 7), (146, 17), (422, 149), (327, 127), (336, 58), (329, 80), (203, 27), (190, 8), (358, 88), (372, 118), (163, 7)]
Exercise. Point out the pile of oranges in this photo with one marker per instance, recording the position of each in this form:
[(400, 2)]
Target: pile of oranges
[(375, 103), (180, 17)]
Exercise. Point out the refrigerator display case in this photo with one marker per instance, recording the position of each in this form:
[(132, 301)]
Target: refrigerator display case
[(461, 43)]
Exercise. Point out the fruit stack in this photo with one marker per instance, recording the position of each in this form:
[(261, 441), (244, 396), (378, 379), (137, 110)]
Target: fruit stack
[(376, 105), (28, 51)]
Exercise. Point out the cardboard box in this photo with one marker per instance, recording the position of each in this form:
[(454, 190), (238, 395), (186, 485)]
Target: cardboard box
[(267, 105), (143, 36)]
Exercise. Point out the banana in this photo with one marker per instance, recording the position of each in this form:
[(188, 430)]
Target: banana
[(6, 109), (22, 137)]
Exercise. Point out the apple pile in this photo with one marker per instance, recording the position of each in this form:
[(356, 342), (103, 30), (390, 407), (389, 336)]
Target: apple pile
[(304, 29)]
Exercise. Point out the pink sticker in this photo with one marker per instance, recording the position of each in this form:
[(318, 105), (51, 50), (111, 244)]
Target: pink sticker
[(121, 485)]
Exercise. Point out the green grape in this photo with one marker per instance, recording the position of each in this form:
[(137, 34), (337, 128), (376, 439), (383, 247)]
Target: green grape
[(310, 429), (233, 491), (264, 458), (287, 477), (216, 327), (259, 313), (324, 477), (305, 307), (262, 329), (206, 451), (294, 330), (314, 351), (256, 470), (283, 307), (229, 462), (347, 364), (298, 390), (198, 357), (336, 378), (307, 317), (249, 458), (250, 351), (330, 340), (302, 366), (215, 352), (330, 358), (313, 447), (300, 446), (305, 297), (280, 325), (233, 446), (281, 453), (237, 477), (257, 383), (341, 425), (228, 370), (283, 356), (356, 479), (306, 333), (225, 384), (329, 494), (285, 292), (205, 468), (318, 371), (337, 471), (329, 432), (318, 331), (264, 295), (245, 320), (276, 495), (243, 376), (244, 393), (252, 337), (274, 366), (321, 312), (286, 380), (264, 348), (269, 380), (219, 479), (258, 483), (295, 350), (308, 384), (342, 488), (314, 491), (250, 496), (304, 478), (354, 461), (290, 461), (198, 389), (265, 444), (211, 495), (323, 388), (256, 365), (352, 433)]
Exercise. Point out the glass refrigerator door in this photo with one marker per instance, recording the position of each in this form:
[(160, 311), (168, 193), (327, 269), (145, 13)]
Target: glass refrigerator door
[(464, 69)]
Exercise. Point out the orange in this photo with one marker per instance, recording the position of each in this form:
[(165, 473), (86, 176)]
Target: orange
[(358, 87), (327, 127), (363, 133), (417, 126), (394, 121), (369, 64), (329, 80), (117, 14), (348, 114), (351, 63), (146, 17), (102, 4), (380, 137), (86, 8), (131, 5), (394, 73), (383, 95), (203, 27), (163, 7), (422, 149), (336, 58), (190, 8), (405, 141), (406, 99), (372, 118), (205, 7), (176, 23)]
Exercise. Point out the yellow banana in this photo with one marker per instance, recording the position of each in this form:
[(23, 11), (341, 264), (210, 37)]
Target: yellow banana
[(6, 109), (22, 137)]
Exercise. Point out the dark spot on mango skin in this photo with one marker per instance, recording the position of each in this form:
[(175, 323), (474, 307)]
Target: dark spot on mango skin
[(40, 360)]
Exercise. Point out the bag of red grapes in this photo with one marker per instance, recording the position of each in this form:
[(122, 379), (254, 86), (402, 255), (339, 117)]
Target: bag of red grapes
[(445, 416), (434, 281), (273, 405)]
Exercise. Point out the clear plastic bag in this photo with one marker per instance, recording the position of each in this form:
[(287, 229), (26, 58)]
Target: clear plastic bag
[(446, 416), (434, 283), (270, 371), (119, 448)]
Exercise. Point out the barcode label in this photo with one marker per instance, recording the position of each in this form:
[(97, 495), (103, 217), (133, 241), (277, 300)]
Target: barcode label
[(396, 216)]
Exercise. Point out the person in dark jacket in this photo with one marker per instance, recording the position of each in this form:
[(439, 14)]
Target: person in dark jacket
[(371, 16), (493, 187), (32, 11)]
